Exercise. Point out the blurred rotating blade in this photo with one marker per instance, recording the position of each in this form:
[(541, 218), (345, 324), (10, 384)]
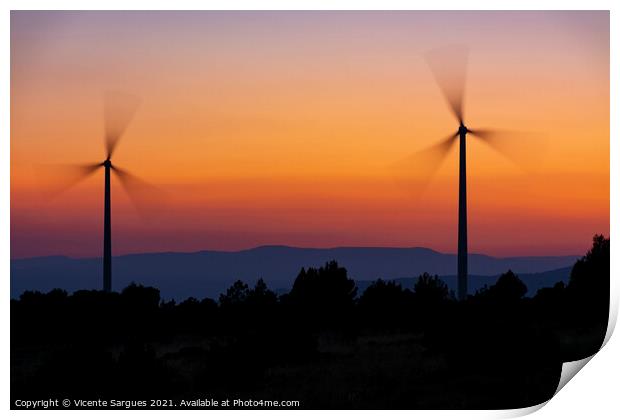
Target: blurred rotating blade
[(57, 178), (519, 147), (449, 67), (119, 109), (144, 196), (417, 170)]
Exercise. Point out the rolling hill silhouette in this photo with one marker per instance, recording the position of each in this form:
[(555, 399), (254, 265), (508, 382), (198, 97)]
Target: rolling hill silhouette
[(209, 273)]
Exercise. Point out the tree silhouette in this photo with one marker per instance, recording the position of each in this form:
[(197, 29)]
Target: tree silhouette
[(322, 298), (241, 294), (326, 287), (381, 294), (551, 296), (140, 297), (236, 294), (589, 281), (430, 289), (385, 302), (508, 289), (260, 295)]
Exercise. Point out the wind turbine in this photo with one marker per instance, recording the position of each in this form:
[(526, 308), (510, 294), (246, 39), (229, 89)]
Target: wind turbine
[(118, 112), (449, 66)]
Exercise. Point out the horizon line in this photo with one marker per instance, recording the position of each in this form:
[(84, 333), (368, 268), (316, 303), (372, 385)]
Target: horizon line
[(290, 247)]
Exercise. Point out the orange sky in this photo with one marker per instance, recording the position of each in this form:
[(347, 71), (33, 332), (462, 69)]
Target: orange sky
[(284, 128)]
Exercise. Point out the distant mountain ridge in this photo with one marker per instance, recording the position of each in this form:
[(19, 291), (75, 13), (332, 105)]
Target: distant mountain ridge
[(179, 275)]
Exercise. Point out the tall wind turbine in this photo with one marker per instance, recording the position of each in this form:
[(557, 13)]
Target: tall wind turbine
[(118, 112), (449, 67)]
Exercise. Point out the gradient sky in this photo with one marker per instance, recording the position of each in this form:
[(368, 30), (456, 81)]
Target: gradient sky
[(287, 128)]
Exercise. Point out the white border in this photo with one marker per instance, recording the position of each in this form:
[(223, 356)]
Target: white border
[(592, 394)]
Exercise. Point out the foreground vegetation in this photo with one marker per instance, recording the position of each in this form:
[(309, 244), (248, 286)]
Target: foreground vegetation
[(320, 344)]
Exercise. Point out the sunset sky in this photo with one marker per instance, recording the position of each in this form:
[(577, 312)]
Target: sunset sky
[(288, 128)]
